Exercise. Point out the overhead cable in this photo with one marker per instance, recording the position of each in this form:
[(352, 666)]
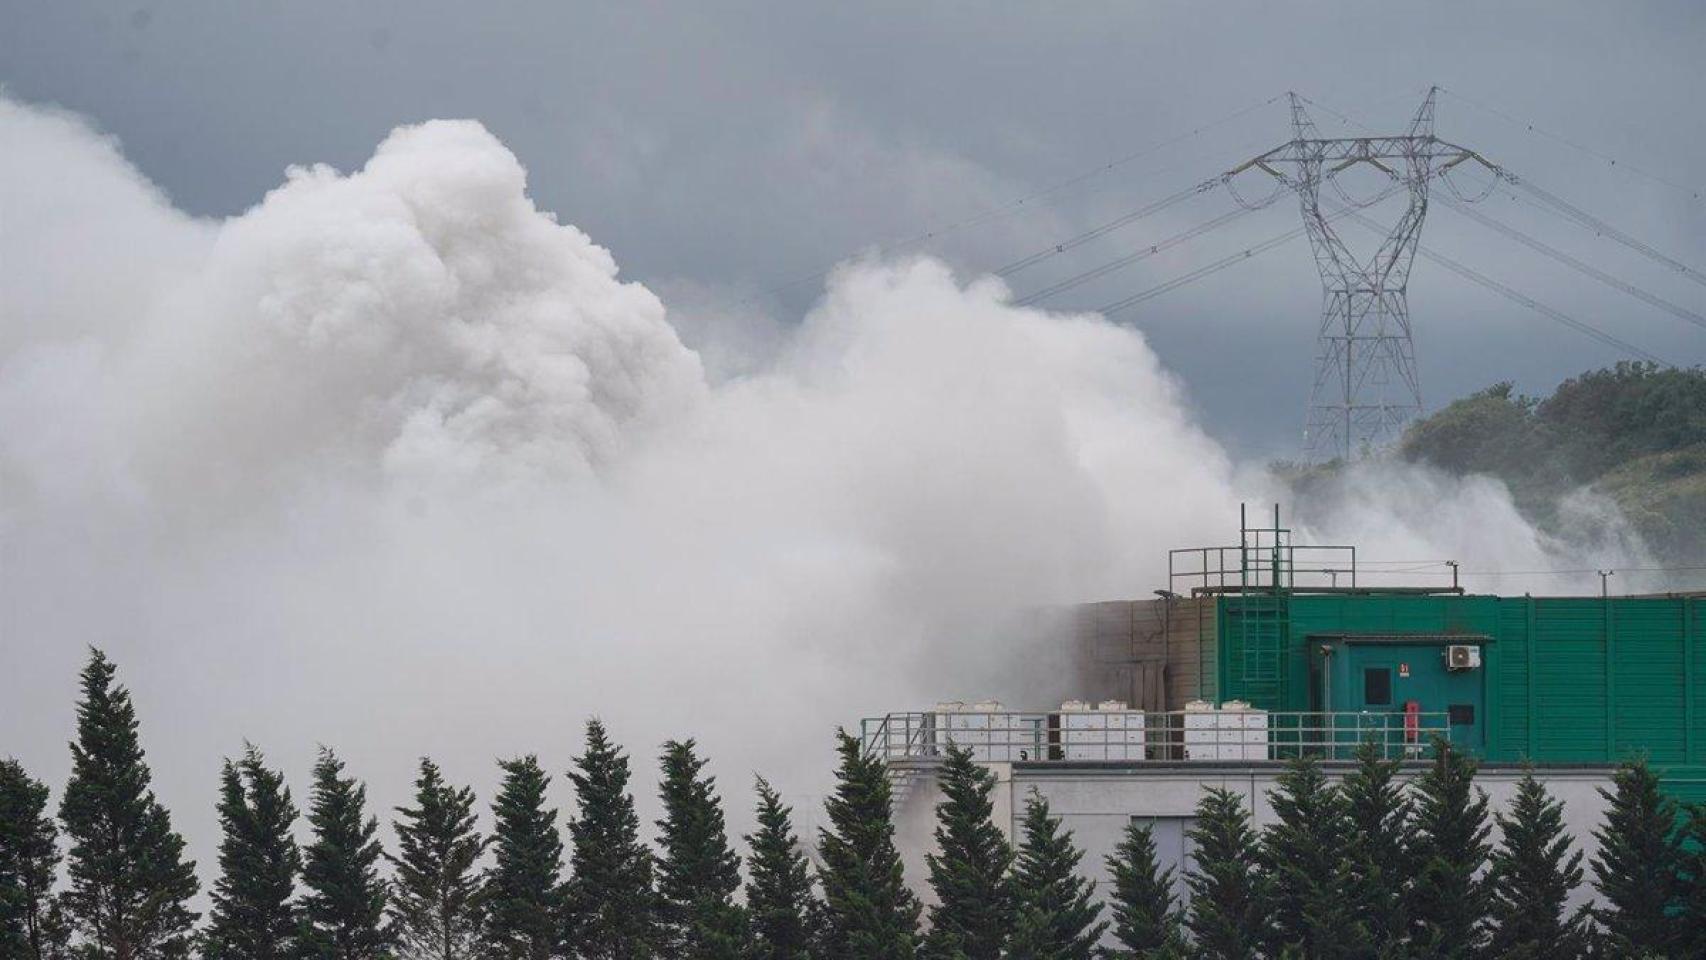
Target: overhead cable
[(1021, 202), (1694, 192), (1569, 261), (1549, 312), (1131, 258), (1103, 230), (1600, 227)]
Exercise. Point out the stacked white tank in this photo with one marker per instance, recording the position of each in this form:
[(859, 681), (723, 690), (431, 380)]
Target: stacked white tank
[(1109, 730), (1233, 731)]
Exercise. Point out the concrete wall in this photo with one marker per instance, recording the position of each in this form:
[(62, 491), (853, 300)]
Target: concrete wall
[(1096, 801)]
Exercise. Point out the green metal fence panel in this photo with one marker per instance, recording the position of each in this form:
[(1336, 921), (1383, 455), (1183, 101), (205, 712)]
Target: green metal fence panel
[(1511, 693), (1566, 679), (1570, 707), (1651, 679)]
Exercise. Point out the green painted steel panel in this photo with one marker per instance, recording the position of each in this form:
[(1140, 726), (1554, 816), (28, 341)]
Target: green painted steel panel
[(1567, 679)]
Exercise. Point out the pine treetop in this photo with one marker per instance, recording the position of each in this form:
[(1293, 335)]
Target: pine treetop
[(1378, 842), (968, 871), (1057, 914), (1227, 909), (252, 917), (779, 884), (1141, 902), (437, 892), (524, 893), (1451, 849), (612, 903), (1691, 875), (1534, 872), (1303, 853), (1636, 866), (29, 861), (130, 884), (871, 913), (344, 906), (698, 873)]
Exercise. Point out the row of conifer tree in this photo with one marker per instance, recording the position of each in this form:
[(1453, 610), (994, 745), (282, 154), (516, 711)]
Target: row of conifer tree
[(1373, 867)]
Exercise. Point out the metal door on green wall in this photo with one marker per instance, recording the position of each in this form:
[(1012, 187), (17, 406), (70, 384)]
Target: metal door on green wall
[(1384, 677)]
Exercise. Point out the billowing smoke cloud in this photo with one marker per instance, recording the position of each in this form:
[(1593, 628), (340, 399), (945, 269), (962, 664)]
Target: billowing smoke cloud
[(395, 461)]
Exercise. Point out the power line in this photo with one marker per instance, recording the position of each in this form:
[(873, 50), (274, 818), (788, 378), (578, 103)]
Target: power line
[(1693, 192), (1569, 261), (1601, 228), (1104, 229), (1021, 202), (1558, 204), (1241, 256), (1248, 253), (1131, 258), (1549, 312)]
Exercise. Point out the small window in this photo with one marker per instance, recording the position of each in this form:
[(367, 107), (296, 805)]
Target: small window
[(1377, 686), (1461, 714)]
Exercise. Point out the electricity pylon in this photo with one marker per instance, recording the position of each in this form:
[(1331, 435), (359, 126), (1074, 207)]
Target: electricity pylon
[(1366, 388)]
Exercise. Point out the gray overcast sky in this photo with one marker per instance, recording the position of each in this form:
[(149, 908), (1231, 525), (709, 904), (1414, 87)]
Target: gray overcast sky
[(720, 148)]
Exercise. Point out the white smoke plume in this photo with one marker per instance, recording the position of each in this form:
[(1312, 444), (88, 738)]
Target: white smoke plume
[(395, 462)]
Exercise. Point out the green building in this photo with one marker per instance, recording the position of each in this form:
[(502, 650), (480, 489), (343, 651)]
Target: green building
[(1290, 630)]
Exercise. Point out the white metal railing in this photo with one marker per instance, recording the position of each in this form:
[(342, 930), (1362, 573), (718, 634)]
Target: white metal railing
[(1148, 736)]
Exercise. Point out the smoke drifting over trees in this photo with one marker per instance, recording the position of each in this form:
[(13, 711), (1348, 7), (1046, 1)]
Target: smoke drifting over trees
[(396, 460)]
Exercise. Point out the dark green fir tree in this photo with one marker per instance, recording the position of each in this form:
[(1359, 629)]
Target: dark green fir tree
[(524, 893), (1636, 867), (344, 907), (1056, 913), (1377, 844), (612, 906), (130, 884), (1228, 910), (698, 874), (973, 915), (32, 927), (1304, 856), (253, 917), (437, 898), (870, 913), (1534, 872), (1691, 877), (1449, 892), (1146, 918), (779, 896)]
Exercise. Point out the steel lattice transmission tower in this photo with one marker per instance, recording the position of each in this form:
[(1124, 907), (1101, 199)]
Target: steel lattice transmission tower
[(1366, 388)]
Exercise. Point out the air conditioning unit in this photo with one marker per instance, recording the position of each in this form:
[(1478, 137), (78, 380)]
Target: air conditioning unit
[(1462, 656)]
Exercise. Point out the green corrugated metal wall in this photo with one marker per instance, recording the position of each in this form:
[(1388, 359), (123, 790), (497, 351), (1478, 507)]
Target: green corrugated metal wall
[(1567, 679)]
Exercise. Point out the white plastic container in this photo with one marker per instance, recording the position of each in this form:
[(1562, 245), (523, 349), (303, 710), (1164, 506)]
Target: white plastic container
[(1202, 736)]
